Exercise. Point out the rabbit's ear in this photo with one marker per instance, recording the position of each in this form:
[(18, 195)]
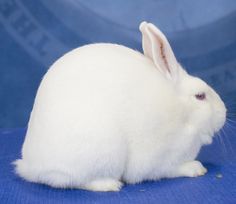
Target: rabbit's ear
[(157, 48)]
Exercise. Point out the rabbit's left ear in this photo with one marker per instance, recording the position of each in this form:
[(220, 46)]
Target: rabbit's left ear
[(157, 48)]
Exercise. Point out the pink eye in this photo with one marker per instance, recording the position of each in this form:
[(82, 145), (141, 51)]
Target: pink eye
[(200, 96)]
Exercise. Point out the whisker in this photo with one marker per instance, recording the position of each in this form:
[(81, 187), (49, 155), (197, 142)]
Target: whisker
[(225, 135), (228, 119), (223, 144), (231, 122), (230, 125)]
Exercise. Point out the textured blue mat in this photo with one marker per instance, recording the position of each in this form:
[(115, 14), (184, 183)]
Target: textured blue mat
[(218, 186)]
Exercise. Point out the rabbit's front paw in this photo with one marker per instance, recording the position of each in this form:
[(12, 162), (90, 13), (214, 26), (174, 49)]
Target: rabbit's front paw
[(192, 169)]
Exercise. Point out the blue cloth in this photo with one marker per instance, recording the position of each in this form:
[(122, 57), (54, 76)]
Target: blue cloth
[(218, 186), (33, 34)]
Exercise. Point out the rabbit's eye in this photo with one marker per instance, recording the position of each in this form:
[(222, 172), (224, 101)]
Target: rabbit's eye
[(200, 96)]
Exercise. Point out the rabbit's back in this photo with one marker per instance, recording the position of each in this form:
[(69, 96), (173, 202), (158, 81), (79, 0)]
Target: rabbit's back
[(103, 80)]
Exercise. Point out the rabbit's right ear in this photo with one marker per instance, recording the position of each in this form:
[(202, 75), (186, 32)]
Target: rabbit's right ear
[(157, 48)]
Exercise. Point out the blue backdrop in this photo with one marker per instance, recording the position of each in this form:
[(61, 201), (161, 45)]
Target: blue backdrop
[(33, 34)]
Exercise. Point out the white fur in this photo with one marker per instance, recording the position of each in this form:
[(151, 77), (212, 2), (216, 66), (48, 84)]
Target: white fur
[(105, 113)]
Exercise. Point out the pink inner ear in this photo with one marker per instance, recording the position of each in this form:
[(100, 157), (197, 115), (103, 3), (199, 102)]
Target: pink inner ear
[(164, 57)]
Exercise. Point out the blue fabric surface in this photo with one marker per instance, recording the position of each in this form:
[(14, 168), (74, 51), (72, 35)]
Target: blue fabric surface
[(206, 189), (33, 34)]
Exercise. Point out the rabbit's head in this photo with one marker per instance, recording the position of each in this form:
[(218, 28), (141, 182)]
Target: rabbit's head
[(205, 112)]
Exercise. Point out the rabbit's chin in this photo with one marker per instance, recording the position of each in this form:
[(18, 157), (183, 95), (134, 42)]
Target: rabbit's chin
[(207, 139)]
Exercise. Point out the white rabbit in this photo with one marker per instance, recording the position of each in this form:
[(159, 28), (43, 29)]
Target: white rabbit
[(105, 114)]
